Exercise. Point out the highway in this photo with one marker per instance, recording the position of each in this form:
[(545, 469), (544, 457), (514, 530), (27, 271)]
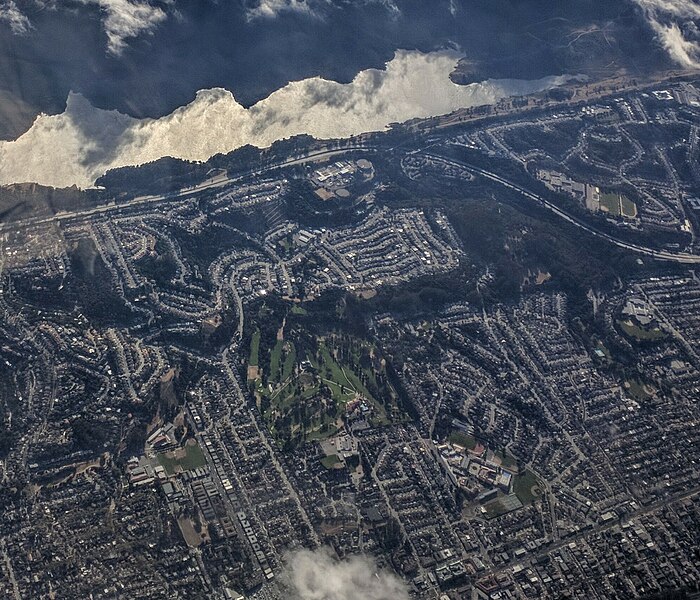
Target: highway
[(224, 180), (214, 182), (679, 257)]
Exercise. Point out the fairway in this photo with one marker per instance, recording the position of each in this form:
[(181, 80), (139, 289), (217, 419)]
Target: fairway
[(275, 356), (306, 386), (253, 361)]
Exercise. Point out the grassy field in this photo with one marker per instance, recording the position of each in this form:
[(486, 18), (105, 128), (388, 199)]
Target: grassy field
[(345, 384), (304, 382), (275, 356), (610, 203), (192, 458), (637, 390), (192, 538), (507, 461), (618, 205), (307, 404), (463, 439), (502, 505), (628, 208), (523, 487), (322, 432), (254, 359), (334, 375), (290, 360), (641, 334), (331, 461), (495, 508)]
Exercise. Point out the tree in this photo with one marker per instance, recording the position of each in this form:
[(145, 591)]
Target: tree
[(391, 537)]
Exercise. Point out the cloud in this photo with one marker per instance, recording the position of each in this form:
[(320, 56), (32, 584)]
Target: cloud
[(319, 576), (125, 19), (93, 141), (389, 5), (270, 9), (674, 26), (121, 19), (11, 14), (682, 50)]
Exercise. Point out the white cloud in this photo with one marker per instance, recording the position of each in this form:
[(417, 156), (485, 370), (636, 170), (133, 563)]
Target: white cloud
[(91, 140), (679, 8), (390, 6), (272, 8), (121, 19), (124, 19), (684, 51), (319, 576), (673, 23), (11, 14), (269, 9)]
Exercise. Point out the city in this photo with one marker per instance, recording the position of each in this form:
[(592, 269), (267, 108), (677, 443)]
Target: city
[(466, 348)]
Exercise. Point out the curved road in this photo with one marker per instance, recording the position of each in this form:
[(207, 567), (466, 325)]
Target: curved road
[(679, 257), (214, 182), (223, 180)]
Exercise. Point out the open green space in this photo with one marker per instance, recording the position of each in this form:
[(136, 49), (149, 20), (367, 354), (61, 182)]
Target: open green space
[(275, 356), (502, 505), (307, 385), (628, 208), (290, 360), (320, 433), (610, 203), (618, 205), (254, 359), (507, 461), (463, 439), (526, 487), (192, 458), (495, 508), (641, 333), (637, 390), (329, 462)]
